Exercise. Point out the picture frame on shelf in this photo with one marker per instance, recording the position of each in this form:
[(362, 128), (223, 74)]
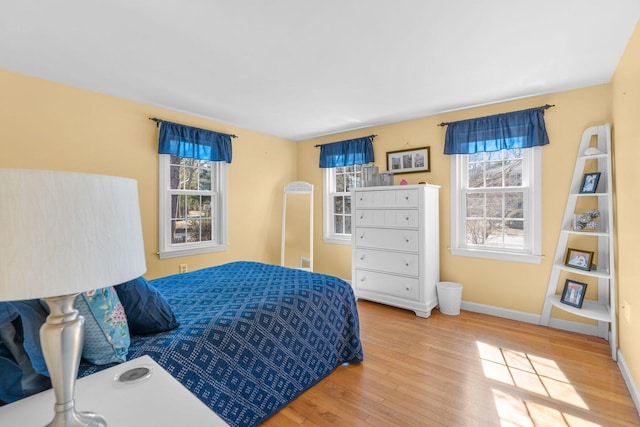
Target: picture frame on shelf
[(573, 293), (590, 183), (410, 160), (578, 258)]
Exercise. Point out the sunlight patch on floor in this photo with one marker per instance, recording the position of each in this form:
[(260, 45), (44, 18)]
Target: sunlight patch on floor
[(532, 374)]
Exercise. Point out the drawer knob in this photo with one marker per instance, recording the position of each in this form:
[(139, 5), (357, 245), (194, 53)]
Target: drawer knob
[(363, 279), (362, 236), (361, 216), (406, 240), (406, 197), (408, 288), (362, 258), (406, 264), (406, 218)]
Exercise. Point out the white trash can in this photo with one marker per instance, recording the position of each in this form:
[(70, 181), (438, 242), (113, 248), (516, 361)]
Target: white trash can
[(449, 297)]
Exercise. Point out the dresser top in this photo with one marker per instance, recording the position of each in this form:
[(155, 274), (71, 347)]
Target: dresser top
[(397, 187)]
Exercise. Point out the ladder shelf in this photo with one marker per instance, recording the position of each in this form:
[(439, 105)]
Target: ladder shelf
[(592, 157), (590, 309)]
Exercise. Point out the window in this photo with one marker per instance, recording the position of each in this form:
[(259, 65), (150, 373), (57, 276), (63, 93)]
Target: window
[(495, 204), (192, 206), (338, 182)]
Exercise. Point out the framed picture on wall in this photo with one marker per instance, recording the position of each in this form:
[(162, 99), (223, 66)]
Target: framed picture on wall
[(408, 161), (573, 293)]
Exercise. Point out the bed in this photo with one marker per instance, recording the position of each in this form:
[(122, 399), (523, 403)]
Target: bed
[(252, 336)]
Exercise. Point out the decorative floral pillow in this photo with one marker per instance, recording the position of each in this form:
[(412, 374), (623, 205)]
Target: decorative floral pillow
[(106, 332)]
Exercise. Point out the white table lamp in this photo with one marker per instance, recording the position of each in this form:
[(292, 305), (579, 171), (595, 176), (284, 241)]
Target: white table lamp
[(63, 233)]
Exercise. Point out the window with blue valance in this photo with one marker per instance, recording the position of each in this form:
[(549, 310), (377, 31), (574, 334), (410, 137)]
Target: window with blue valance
[(518, 129), (191, 142), (357, 151)]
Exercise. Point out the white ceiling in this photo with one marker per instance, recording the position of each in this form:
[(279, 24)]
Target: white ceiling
[(300, 69)]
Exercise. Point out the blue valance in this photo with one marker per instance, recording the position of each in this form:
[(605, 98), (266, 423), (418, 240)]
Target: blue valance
[(357, 151), (518, 129), (187, 141)]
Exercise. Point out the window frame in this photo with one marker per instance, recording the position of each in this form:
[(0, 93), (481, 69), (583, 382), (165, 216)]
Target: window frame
[(218, 193), (532, 188), (329, 179)]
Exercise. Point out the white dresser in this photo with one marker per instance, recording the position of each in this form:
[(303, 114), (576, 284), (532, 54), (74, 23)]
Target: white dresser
[(395, 246)]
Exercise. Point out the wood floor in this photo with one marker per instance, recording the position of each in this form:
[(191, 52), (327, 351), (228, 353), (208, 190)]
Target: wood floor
[(467, 370)]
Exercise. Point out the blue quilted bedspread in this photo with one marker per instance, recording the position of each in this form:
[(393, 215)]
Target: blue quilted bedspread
[(252, 336)]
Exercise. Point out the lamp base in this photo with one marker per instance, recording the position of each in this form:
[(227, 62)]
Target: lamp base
[(69, 417), (62, 338)]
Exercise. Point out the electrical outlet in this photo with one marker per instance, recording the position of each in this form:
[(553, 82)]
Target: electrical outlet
[(183, 268), (626, 309)]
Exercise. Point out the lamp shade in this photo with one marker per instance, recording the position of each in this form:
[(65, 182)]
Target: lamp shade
[(63, 233)]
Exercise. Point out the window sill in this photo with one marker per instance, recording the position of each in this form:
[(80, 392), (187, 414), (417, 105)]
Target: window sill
[(191, 251), (497, 255), (337, 240)]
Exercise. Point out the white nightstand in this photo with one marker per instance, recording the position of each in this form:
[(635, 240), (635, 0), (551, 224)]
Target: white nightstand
[(155, 401)]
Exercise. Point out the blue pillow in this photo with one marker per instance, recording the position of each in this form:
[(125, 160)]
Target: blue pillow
[(7, 313), (10, 380), (18, 379), (106, 331), (148, 312), (33, 315)]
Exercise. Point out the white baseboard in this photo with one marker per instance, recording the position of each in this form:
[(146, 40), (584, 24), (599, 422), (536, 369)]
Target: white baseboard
[(500, 312), (522, 316), (628, 379)]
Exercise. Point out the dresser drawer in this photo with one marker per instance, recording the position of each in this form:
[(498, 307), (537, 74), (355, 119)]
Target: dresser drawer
[(392, 262), (387, 199), (387, 284), (387, 238), (387, 217)]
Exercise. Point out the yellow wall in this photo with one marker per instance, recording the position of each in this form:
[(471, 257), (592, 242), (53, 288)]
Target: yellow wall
[(626, 132), (45, 125), (510, 285)]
